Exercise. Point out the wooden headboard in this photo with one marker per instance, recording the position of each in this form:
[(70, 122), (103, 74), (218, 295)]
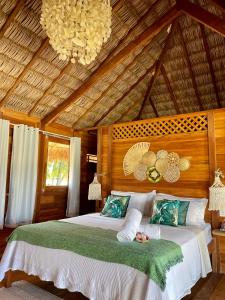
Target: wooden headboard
[(200, 136)]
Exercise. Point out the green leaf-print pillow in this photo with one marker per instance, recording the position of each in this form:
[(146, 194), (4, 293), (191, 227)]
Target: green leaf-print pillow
[(115, 206), (165, 212), (182, 212)]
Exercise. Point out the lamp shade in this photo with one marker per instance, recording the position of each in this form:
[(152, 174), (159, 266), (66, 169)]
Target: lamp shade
[(217, 193), (94, 191)]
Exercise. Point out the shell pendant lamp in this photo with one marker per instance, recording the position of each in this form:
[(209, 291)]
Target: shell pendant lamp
[(77, 29)]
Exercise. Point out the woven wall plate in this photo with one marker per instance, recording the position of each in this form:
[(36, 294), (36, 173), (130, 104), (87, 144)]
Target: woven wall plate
[(134, 156), (172, 174), (153, 175), (149, 159), (173, 159), (161, 165), (184, 164), (140, 172), (161, 154)]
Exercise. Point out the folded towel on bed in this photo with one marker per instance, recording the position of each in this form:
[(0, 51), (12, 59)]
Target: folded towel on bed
[(151, 230), (130, 226)]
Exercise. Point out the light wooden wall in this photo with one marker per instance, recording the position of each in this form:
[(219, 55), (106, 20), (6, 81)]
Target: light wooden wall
[(199, 135)]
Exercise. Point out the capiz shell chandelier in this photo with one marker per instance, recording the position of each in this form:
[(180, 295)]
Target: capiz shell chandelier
[(77, 29)]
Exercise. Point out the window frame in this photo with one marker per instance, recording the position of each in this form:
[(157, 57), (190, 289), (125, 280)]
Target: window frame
[(53, 187)]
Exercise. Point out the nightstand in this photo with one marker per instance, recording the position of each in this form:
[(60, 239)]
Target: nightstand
[(220, 250)]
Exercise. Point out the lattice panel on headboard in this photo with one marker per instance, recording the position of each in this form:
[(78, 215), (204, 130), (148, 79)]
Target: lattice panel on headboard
[(160, 127)]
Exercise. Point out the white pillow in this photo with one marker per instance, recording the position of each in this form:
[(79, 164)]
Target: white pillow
[(140, 201), (196, 209)]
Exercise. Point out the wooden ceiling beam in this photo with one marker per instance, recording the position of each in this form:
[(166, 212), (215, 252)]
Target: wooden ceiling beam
[(143, 39), (153, 106), (170, 90), (19, 79), (202, 16), (126, 112), (124, 95), (208, 56), (219, 4), (11, 17), (105, 92), (185, 50), (142, 107), (156, 72)]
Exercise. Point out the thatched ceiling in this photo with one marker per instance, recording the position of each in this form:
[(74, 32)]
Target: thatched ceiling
[(181, 70)]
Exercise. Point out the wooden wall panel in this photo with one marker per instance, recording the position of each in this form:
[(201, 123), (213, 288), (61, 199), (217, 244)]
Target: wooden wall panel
[(219, 119), (203, 139), (105, 162), (220, 138), (193, 182), (88, 145)]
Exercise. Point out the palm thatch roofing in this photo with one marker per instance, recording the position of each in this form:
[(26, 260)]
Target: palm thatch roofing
[(164, 57)]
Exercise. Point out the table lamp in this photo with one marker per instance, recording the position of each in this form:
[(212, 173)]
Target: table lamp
[(217, 195)]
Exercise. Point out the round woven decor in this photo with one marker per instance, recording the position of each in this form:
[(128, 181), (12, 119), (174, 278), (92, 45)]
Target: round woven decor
[(172, 174), (149, 159), (140, 172), (161, 154), (161, 165), (173, 159), (133, 156), (153, 175), (184, 164)]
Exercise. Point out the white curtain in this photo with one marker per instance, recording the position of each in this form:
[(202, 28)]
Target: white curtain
[(4, 152), (73, 202), (23, 176)]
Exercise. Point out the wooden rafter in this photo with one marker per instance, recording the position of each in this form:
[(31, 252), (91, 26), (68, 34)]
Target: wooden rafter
[(153, 106), (126, 112), (170, 90), (219, 3), (143, 39), (11, 17), (202, 16), (185, 50), (23, 73), (124, 95), (116, 6), (148, 91), (156, 72), (208, 56), (142, 107), (105, 91)]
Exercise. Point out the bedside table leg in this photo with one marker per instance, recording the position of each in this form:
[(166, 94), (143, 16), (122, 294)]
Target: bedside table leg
[(214, 257)]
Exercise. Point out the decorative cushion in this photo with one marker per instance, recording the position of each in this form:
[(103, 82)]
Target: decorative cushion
[(140, 201), (115, 206), (196, 209), (165, 212), (182, 212)]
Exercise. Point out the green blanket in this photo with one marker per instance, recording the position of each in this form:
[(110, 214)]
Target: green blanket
[(153, 258)]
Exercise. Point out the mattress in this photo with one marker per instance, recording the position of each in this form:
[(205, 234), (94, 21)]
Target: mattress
[(100, 280)]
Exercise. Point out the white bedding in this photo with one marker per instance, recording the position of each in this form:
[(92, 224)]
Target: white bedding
[(100, 280)]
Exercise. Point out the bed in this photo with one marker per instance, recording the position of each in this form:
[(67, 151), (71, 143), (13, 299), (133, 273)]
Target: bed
[(104, 280)]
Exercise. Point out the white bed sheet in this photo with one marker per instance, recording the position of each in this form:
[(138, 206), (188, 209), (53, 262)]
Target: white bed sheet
[(99, 280)]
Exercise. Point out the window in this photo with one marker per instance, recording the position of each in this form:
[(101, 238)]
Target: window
[(57, 164)]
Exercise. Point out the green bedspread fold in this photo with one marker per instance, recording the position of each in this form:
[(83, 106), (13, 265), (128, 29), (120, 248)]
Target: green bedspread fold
[(153, 258)]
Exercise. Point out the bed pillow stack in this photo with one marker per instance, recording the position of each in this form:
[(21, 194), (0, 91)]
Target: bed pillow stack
[(141, 201), (190, 211)]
